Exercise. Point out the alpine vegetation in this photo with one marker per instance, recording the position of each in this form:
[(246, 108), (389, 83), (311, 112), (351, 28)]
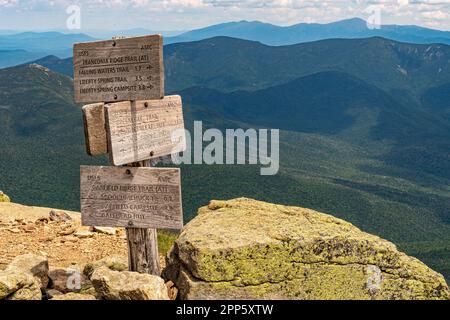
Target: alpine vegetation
[(236, 146)]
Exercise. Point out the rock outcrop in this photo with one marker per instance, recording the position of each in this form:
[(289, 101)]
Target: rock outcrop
[(28, 277), (4, 197), (247, 249), (24, 278), (115, 263), (126, 285), (68, 280)]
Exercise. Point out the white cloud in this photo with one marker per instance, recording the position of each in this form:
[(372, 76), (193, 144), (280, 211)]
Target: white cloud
[(187, 14), (438, 14), (8, 3)]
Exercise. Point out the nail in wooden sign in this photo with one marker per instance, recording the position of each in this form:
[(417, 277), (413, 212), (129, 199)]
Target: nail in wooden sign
[(133, 197), (142, 130), (119, 69)]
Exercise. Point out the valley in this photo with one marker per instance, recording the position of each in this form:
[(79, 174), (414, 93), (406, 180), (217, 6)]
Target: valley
[(359, 138)]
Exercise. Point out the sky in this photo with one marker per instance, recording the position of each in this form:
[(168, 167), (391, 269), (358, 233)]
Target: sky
[(165, 15)]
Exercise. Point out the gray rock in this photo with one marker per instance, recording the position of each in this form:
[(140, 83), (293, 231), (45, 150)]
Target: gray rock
[(35, 265), (59, 216), (24, 278), (68, 280), (126, 285), (106, 230), (115, 262), (15, 284)]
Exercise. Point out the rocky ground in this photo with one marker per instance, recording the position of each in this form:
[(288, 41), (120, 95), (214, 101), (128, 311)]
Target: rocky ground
[(29, 277), (59, 237), (45, 253), (236, 249)]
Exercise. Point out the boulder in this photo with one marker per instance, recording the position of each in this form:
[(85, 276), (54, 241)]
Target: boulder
[(127, 285), (248, 249), (37, 266), (4, 197), (18, 286), (68, 280), (74, 296), (116, 263), (24, 278)]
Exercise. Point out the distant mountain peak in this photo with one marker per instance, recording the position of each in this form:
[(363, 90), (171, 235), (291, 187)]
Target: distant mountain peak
[(351, 28)]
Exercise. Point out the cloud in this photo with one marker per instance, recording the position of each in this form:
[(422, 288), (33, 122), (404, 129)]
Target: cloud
[(438, 14), (187, 14), (8, 3)]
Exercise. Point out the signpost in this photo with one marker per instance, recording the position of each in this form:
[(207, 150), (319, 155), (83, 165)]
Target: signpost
[(119, 69), (142, 130), (134, 123), (131, 197)]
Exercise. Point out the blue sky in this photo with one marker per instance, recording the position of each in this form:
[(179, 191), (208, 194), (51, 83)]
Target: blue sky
[(161, 15)]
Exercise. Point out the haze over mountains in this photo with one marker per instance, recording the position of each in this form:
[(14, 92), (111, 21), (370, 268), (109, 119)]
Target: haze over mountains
[(17, 48), (305, 32), (26, 46)]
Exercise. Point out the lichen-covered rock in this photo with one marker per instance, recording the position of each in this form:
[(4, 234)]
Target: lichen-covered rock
[(32, 264), (73, 296), (4, 197), (247, 249), (126, 285), (16, 284), (116, 263), (24, 278)]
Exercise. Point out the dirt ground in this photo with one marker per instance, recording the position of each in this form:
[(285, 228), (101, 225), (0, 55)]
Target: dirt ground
[(25, 229)]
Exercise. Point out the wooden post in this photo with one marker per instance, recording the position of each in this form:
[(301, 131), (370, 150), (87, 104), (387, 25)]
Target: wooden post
[(143, 71), (143, 253)]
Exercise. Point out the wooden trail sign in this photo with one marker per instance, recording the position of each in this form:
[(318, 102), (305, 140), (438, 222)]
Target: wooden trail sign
[(119, 69), (142, 130), (94, 129), (132, 197), (136, 197)]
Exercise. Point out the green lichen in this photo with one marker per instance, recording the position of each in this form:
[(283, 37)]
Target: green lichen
[(252, 249), (4, 197)]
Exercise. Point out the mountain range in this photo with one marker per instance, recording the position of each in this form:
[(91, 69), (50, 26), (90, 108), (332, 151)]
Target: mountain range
[(17, 48), (23, 47), (364, 131), (306, 32)]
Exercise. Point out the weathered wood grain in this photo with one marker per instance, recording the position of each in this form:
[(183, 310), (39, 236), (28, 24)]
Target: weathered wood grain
[(143, 253), (119, 69), (141, 130), (95, 132), (94, 129), (133, 197)]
